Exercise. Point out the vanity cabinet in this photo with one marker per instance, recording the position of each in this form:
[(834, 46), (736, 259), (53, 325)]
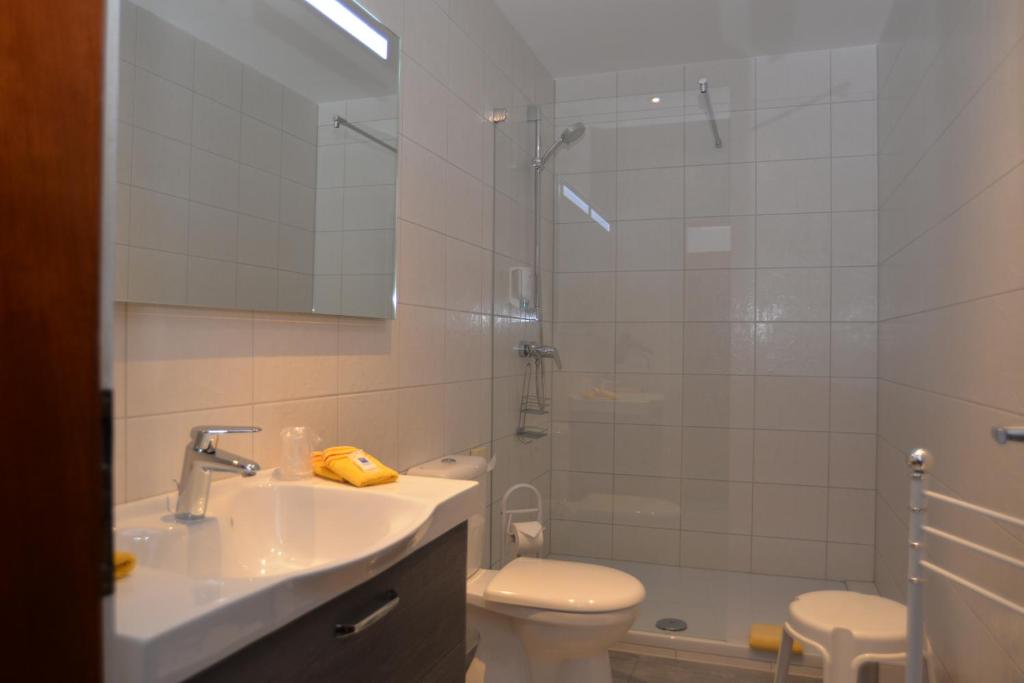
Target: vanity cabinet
[(422, 637)]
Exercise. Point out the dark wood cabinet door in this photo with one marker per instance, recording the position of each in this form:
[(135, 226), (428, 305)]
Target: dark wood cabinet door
[(417, 640)]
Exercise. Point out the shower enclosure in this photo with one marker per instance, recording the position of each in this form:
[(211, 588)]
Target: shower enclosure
[(707, 262)]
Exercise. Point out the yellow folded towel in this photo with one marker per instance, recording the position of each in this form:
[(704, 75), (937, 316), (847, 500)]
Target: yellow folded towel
[(352, 465), (124, 564), (768, 638)]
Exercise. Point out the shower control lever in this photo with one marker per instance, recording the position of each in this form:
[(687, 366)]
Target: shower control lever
[(537, 351)]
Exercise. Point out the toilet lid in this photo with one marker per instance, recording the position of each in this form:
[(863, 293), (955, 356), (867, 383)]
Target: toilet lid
[(564, 586)]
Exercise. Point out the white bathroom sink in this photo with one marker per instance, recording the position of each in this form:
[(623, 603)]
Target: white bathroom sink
[(267, 552), (267, 528)]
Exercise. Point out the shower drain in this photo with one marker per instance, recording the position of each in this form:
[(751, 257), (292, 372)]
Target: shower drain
[(671, 624)]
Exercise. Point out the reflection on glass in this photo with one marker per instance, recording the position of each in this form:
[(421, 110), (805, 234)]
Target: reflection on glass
[(705, 239), (570, 194), (257, 156)]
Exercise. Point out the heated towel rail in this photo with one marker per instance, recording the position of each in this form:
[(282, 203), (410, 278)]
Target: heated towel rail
[(920, 462)]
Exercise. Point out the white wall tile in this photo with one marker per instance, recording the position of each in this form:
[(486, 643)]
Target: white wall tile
[(426, 36), (719, 295), (216, 128), (162, 106), (854, 351), (850, 518), (294, 357), (638, 544), (582, 497), (420, 425), (800, 132), (370, 421), (211, 283), (793, 240), (854, 184), (792, 403), (853, 72), (168, 348), (715, 551), (218, 76), (854, 294), (718, 401), (720, 242), (718, 348), (163, 49), (158, 221), (793, 294), (216, 181), (650, 193), (794, 186), (783, 511), (262, 97), (717, 506), (854, 129), (793, 79), (855, 238), (720, 190), (582, 447), (853, 405), (725, 454), (648, 450), (784, 457), (852, 461), (159, 163), (650, 143), (794, 349), (788, 557), (649, 296)]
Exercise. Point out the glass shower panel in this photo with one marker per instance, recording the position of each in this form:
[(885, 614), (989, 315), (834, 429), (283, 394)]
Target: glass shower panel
[(521, 441)]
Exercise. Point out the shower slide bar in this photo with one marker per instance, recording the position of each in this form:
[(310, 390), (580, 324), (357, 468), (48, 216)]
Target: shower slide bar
[(920, 462), (340, 121), (705, 91)]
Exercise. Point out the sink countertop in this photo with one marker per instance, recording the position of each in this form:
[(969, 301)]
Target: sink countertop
[(174, 618)]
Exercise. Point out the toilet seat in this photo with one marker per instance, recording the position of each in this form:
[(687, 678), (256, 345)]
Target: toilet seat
[(532, 584)]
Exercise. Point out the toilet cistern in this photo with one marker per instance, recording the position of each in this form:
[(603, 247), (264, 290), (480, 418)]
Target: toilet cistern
[(202, 457)]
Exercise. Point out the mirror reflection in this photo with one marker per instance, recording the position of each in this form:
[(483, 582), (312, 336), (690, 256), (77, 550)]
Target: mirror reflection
[(257, 156)]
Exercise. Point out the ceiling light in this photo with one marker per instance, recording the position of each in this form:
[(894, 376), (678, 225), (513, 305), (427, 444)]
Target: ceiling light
[(352, 23), (655, 100)]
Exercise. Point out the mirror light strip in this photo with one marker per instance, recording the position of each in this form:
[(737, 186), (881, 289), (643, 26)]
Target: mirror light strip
[(352, 23)]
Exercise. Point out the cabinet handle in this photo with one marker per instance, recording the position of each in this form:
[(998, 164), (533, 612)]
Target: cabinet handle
[(346, 630)]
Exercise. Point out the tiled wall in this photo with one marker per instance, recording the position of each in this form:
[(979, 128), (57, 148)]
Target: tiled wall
[(951, 293), (715, 311), (408, 390), (216, 175)]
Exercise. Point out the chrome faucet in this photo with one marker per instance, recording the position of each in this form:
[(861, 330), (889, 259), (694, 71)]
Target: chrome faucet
[(201, 458)]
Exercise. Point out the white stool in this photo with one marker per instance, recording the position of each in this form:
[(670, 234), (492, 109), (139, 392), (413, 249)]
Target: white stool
[(848, 629)]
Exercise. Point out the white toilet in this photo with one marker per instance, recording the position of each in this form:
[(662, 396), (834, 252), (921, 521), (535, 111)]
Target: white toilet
[(540, 621)]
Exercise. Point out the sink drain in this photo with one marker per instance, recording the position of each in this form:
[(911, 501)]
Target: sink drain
[(670, 624)]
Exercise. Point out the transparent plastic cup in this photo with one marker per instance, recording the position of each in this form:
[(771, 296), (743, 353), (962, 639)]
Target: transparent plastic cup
[(297, 444)]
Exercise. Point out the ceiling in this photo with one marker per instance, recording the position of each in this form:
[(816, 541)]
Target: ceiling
[(575, 37)]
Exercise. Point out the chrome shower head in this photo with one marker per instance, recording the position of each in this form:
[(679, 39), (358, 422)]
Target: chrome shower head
[(568, 136), (573, 133)]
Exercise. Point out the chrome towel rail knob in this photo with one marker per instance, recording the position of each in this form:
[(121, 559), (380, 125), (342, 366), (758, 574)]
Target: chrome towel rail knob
[(1004, 434)]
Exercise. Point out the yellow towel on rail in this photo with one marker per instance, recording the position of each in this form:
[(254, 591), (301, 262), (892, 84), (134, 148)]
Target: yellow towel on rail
[(352, 465), (768, 638), (124, 564)]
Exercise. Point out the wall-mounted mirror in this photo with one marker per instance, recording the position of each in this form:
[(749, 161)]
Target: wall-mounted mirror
[(257, 156)]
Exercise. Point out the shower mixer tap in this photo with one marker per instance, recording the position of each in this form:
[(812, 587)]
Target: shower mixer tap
[(536, 351)]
